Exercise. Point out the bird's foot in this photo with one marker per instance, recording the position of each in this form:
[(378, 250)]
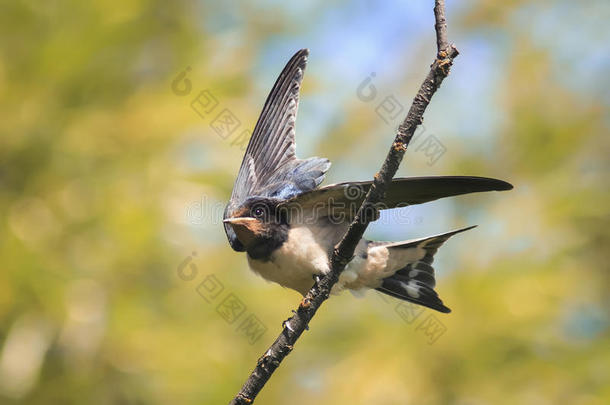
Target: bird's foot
[(305, 302)]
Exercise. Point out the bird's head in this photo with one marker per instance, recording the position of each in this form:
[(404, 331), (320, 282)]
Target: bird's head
[(257, 227)]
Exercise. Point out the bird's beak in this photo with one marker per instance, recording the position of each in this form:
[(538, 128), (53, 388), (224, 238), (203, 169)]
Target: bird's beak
[(246, 228)]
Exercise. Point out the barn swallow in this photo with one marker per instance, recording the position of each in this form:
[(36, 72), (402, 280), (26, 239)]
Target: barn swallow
[(288, 225)]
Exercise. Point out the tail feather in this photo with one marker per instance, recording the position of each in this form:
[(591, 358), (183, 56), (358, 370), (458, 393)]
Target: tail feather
[(415, 282)]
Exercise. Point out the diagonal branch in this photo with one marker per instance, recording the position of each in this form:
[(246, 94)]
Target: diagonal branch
[(344, 251)]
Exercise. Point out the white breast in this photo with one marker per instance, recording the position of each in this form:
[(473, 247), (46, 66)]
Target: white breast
[(306, 251), (297, 260)]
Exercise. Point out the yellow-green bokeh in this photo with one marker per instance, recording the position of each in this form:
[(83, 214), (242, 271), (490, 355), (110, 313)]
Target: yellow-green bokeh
[(109, 180)]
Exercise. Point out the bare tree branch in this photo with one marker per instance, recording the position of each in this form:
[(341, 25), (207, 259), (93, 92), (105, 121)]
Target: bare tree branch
[(344, 251), (440, 26)]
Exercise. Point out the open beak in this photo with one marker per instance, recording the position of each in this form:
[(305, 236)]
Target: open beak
[(245, 228)]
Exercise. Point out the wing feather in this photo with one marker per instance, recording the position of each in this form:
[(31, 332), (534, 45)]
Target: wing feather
[(342, 200), (272, 142), (270, 167)]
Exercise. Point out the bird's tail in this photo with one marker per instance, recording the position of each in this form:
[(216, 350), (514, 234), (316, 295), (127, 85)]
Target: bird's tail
[(415, 282)]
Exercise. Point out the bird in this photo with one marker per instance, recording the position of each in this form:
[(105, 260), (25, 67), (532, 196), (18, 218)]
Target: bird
[(288, 224)]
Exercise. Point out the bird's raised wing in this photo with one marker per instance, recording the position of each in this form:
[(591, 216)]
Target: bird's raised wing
[(341, 201), (270, 167)]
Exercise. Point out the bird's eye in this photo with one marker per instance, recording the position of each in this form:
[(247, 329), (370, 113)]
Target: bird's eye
[(258, 212)]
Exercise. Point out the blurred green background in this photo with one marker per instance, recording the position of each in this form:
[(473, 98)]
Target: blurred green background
[(110, 180)]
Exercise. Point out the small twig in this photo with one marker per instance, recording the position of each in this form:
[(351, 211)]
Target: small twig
[(440, 26), (343, 252)]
